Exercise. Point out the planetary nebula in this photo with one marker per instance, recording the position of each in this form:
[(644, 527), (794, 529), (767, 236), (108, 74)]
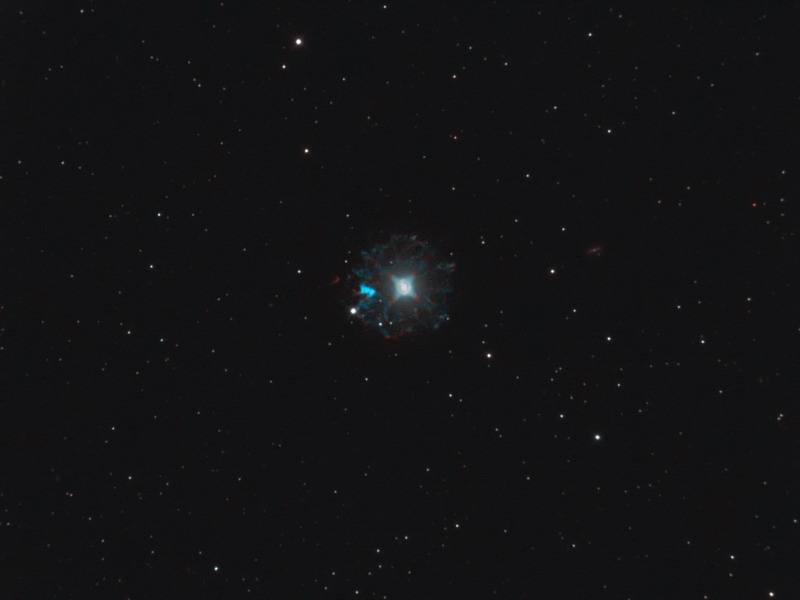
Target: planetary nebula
[(400, 287)]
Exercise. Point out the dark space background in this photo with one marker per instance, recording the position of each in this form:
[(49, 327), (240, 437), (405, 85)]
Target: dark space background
[(187, 408)]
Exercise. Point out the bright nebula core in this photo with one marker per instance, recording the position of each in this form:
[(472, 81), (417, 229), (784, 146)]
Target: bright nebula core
[(401, 287), (404, 287)]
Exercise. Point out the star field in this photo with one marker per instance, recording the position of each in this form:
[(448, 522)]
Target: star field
[(192, 404)]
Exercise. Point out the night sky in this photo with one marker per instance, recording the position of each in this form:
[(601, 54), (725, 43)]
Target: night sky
[(191, 408)]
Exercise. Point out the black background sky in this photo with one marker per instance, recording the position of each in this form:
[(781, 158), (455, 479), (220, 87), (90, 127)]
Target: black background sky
[(188, 410)]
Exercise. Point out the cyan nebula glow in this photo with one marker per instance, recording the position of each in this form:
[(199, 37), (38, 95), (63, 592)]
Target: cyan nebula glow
[(401, 287)]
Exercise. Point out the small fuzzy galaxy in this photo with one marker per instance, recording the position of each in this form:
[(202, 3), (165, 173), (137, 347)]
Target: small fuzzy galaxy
[(401, 287)]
